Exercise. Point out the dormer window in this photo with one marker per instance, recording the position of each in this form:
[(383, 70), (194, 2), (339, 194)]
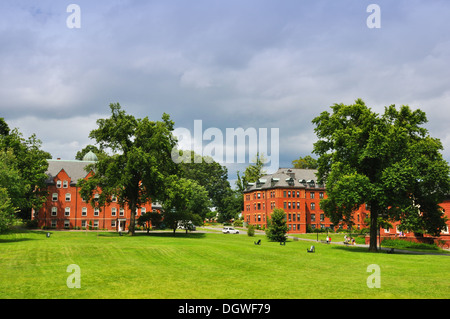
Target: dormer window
[(65, 184), (58, 184)]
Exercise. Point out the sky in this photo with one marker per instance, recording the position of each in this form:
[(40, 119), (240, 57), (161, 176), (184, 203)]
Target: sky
[(250, 64)]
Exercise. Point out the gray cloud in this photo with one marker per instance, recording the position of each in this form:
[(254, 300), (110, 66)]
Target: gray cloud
[(231, 64)]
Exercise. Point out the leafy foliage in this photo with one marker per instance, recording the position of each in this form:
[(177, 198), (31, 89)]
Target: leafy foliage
[(23, 169), (277, 227), (389, 162), (186, 201), (141, 162), (305, 162)]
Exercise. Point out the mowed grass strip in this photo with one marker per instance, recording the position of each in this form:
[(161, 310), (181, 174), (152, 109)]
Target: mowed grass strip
[(163, 265)]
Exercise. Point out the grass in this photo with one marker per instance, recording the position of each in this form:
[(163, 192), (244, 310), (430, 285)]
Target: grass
[(211, 266)]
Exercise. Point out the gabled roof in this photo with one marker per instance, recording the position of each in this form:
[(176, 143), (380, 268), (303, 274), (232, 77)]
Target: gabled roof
[(286, 178), (75, 169)]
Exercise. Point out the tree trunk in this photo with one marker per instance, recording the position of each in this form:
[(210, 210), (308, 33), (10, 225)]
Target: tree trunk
[(373, 228), (131, 228)]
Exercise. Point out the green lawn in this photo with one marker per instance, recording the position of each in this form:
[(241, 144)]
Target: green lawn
[(211, 265)]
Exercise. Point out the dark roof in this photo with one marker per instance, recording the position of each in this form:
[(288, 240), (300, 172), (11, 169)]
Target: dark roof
[(286, 178)]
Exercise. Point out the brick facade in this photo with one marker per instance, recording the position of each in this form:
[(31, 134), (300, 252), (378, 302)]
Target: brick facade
[(65, 209), (296, 191)]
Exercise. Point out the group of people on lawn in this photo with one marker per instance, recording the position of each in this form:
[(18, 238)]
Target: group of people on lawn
[(347, 240)]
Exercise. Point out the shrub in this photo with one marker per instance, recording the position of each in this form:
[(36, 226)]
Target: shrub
[(399, 243), (251, 230), (277, 228)]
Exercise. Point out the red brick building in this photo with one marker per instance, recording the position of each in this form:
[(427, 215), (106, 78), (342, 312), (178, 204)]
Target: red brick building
[(65, 209), (297, 192)]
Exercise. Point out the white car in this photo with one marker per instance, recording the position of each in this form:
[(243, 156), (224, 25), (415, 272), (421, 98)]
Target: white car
[(230, 230)]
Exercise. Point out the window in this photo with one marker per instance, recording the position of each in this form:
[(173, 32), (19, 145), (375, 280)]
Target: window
[(84, 211), (96, 211), (259, 217), (53, 223), (83, 223), (95, 223), (312, 195), (68, 197), (121, 212), (298, 205), (143, 210), (66, 223), (65, 184), (298, 219), (113, 211), (54, 211), (298, 194), (114, 199), (284, 193), (289, 217), (113, 223), (54, 197), (259, 195), (313, 206), (58, 184), (259, 206), (289, 194), (322, 217), (289, 205), (67, 211), (313, 217), (320, 195)]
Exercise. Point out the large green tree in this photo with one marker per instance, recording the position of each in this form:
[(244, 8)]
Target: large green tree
[(12, 189), (185, 202), (213, 177), (25, 156), (139, 166), (387, 161)]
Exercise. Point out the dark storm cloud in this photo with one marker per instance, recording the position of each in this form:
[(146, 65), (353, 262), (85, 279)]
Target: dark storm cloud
[(232, 64)]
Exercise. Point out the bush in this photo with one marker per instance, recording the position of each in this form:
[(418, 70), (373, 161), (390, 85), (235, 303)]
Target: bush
[(400, 243), (277, 228), (251, 230)]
